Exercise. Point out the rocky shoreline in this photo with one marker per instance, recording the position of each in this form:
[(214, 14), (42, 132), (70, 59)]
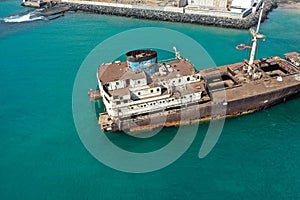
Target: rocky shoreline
[(226, 22)]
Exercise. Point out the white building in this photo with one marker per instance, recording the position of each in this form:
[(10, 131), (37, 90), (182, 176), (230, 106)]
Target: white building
[(245, 5), (219, 4), (242, 4)]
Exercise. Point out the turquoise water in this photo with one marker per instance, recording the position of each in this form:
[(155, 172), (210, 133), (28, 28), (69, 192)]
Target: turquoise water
[(42, 157)]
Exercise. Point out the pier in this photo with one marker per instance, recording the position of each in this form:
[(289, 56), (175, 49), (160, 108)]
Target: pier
[(222, 13), (175, 11), (55, 10)]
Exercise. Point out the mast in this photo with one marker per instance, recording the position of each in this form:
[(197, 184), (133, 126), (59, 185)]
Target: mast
[(256, 36)]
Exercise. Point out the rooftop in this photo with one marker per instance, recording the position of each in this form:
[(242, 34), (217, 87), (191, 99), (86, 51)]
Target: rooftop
[(180, 68), (120, 71), (117, 71)]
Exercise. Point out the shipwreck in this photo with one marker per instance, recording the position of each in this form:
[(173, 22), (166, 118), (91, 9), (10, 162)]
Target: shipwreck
[(140, 93)]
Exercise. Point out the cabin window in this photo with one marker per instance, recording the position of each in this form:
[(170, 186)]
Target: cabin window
[(139, 93), (118, 102), (179, 80), (117, 83), (138, 82), (157, 89), (151, 91), (188, 78), (198, 77)]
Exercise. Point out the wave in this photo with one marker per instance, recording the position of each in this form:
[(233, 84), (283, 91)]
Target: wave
[(31, 16)]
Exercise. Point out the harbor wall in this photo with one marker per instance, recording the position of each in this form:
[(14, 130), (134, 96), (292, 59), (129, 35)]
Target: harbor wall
[(172, 14)]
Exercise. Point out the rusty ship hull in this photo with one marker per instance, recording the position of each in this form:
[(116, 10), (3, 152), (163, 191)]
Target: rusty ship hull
[(234, 108), (226, 91)]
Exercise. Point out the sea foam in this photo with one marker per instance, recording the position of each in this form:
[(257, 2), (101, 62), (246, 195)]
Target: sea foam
[(31, 16)]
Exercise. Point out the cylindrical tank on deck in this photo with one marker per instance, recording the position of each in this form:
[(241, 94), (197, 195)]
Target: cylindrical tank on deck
[(142, 60)]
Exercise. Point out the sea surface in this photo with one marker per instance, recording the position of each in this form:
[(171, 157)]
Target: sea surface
[(42, 156)]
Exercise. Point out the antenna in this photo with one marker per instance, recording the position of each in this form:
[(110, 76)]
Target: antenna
[(177, 53), (259, 19), (256, 36)]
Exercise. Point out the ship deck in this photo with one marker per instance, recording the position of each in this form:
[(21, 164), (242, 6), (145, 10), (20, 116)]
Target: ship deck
[(273, 74), (238, 88)]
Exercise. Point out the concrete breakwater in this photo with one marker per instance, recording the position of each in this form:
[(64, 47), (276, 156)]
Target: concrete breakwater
[(172, 15)]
